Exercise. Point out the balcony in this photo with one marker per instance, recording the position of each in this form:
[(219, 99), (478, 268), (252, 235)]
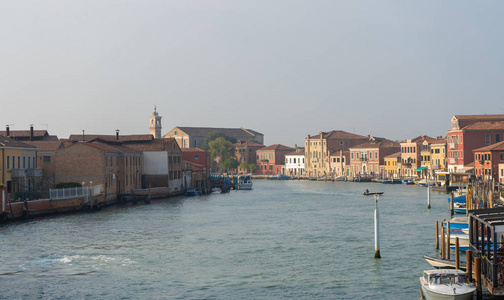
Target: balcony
[(21, 173), (452, 161), (452, 145)]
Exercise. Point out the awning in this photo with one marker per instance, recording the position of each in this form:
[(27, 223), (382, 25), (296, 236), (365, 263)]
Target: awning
[(420, 169)]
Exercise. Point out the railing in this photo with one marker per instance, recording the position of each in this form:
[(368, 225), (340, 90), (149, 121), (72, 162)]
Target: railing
[(75, 192), (20, 173), (453, 160)]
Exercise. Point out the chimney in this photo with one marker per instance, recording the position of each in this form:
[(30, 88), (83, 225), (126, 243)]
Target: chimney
[(7, 130), (117, 134), (31, 132)]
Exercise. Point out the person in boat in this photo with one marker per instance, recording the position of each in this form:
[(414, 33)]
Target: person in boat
[(367, 191)]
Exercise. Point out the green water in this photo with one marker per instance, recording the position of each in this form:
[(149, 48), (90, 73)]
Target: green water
[(282, 240)]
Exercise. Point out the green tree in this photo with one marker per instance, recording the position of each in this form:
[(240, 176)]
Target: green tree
[(213, 136), (221, 148), (252, 168), (244, 166), (229, 164)]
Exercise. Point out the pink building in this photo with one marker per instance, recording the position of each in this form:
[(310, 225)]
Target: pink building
[(271, 159), (368, 158), (470, 132)]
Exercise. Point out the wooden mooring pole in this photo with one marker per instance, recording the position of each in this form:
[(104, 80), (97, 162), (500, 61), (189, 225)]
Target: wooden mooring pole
[(469, 265), (437, 235), (448, 240), (457, 254), (452, 206), (443, 249), (477, 274)]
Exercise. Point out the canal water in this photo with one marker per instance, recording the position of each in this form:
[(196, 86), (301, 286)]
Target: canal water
[(282, 240)]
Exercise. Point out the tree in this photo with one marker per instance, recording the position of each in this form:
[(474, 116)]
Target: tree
[(213, 136), (230, 163), (244, 166), (221, 148), (252, 168)]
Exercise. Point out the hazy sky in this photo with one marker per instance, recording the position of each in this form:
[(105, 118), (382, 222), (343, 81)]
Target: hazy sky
[(395, 69)]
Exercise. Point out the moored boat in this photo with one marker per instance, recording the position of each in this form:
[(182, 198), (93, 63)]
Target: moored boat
[(244, 182), (446, 284), (192, 192), (443, 263), (407, 181)]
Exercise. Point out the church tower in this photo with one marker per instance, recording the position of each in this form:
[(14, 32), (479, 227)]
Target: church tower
[(155, 124)]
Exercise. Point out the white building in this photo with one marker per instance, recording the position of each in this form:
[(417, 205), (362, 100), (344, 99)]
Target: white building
[(295, 163)]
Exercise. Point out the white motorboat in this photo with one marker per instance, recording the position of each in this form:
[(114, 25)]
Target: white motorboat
[(463, 238), (339, 178), (245, 182), (446, 284)]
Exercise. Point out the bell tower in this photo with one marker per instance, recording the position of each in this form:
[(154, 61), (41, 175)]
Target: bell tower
[(155, 124)]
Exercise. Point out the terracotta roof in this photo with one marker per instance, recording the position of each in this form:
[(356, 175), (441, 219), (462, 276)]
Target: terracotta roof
[(301, 152), (494, 147), (47, 145), (479, 117), (338, 134), (420, 139), (439, 141), (8, 142), (490, 125), (394, 155), (193, 149), (384, 143), (155, 145), (276, 147), (122, 138), (233, 132), (247, 143)]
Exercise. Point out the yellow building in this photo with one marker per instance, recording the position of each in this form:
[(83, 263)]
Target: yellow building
[(392, 165), (438, 155), (18, 168)]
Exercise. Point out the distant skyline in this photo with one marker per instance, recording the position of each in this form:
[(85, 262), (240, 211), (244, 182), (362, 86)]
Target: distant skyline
[(394, 69)]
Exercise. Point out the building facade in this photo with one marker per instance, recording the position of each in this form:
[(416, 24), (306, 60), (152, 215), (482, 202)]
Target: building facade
[(271, 159), (366, 158), (18, 169), (487, 161), (411, 159), (295, 163), (245, 151), (188, 137), (438, 155), (469, 132), (392, 167), (320, 147)]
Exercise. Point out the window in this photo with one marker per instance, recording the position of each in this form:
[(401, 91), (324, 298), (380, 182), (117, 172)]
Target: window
[(502, 156), (8, 162), (497, 137), (47, 159), (487, 139), (175, 132), (376, 154), (19, 162), (196, 157), (271, 167)]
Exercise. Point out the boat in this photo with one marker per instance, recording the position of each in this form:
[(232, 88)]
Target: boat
[(463, 239), (458, 199), (459, 208), (279, 177), (192, 192), (444, 263), (407, 181), (368, 193), (457, 224), (244, 182), (339, 178), (446, 284)]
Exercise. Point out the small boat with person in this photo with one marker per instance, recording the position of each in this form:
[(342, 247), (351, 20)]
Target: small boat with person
[(244, 182), (446, 284)]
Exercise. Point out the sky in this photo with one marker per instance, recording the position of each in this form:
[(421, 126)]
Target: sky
[(286, 68)]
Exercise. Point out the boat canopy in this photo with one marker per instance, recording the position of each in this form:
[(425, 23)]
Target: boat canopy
[(420, 169)]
